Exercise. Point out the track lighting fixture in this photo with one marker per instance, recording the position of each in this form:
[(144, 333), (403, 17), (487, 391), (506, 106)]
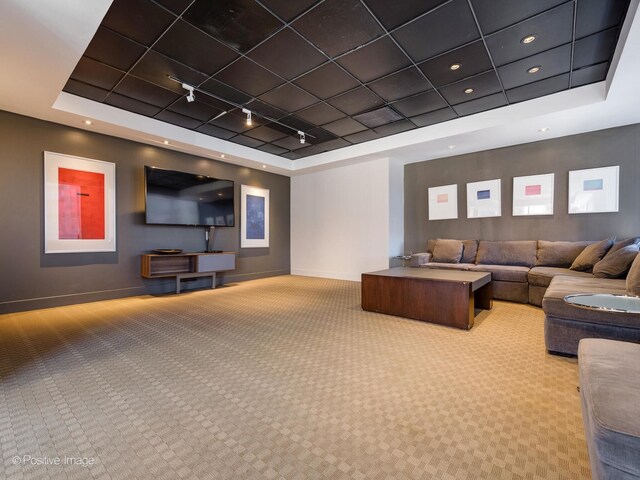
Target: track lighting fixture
[(190, 97), (247, 112)]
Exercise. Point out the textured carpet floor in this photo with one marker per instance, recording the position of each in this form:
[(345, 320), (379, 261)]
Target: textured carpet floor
[(282, 378)]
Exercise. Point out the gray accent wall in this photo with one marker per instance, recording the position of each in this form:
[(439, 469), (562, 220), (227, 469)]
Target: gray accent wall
[(616, 146), (30, 279)]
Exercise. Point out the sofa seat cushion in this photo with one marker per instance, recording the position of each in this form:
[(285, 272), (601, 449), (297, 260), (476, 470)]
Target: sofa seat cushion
[(610, 391), (504, 273), (510, 252), (542, 276), (450, 266), (554, 305)]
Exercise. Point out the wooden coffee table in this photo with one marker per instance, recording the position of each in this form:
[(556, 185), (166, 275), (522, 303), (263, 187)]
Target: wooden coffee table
[(447, 297)]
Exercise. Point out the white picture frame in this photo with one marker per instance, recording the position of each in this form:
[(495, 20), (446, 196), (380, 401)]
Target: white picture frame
[(254, 217), (443, 202), (594, 190), (79, 204), (484, 199), (533, 195)]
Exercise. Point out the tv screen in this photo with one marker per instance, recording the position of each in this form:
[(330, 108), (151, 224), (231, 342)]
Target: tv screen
[(179, 198)]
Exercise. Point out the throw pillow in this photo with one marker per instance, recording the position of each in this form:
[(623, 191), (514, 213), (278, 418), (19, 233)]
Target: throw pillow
[(469, 251), (447, 251), (592, 255), (622, 243), (633, 278), (617, 264)]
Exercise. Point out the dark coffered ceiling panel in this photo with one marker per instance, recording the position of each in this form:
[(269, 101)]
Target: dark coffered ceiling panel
[(241, 24), (472, 88), (597, 15), (494, 15), (206, 54), (550, 29), (114, 50), (341, 71), (401, 84), (549, 64), (337, 26), (288, 9), (97, 74), (140, 20), (470, 60), (288, 54), (327, 81), (421, 103), (539, 89), (394, 14), (381, 57), (449, 26)]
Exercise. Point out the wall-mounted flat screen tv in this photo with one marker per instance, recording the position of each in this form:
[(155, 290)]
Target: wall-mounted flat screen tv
[(180, 198)]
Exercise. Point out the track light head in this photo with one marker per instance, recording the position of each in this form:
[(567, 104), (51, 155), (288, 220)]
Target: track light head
[(190, 97), (248, 113), (303, 139)]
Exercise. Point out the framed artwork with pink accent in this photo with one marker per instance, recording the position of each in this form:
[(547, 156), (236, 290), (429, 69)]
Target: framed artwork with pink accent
[(443, 202), (533, 195), (79, 204)]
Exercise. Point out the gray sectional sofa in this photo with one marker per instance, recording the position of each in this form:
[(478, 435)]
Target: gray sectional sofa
[(540, 272)]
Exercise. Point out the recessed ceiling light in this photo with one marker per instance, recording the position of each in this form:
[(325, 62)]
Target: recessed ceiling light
[(455, 66), (451, 147), (166, 142), (528, 39), (88, 122), (535, 69), (222, 155), (468, 90), (264, 166), (543, 129)]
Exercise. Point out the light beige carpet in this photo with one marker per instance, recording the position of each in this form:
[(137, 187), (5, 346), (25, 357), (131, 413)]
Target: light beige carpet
[(282, 378)]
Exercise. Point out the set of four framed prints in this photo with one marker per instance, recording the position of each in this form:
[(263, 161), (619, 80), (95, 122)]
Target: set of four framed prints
[(592, 190)]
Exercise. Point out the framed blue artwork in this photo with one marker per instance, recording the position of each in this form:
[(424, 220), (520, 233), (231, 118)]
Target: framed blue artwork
[(594, 190), (254, 217), (484, 199)]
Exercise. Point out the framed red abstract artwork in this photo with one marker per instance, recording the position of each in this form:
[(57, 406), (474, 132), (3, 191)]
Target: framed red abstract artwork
[(79, 197)]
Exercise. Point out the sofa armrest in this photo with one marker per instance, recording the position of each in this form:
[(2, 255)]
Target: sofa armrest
[(419, 259)]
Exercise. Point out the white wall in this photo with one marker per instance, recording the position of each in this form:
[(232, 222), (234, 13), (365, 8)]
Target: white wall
[(340, 220)]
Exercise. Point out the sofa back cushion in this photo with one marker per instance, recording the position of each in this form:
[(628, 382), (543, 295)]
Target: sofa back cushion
[(558, 254), (447, 251), (510, 252), (592, 254), (469, 251), (633, 278), (617, 264)]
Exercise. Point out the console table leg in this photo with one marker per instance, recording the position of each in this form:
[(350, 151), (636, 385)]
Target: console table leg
[(213, 280)]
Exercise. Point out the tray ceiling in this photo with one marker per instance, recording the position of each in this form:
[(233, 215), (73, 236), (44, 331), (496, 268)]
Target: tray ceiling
[(342, 71)]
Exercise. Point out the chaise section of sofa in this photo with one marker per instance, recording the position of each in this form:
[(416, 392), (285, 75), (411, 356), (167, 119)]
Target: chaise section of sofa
[(610, 395), (565, 325)]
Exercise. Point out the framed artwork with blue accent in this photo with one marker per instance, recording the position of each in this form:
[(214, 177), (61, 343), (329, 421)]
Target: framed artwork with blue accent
[(254, 217), (594, 190), (484, 199)]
